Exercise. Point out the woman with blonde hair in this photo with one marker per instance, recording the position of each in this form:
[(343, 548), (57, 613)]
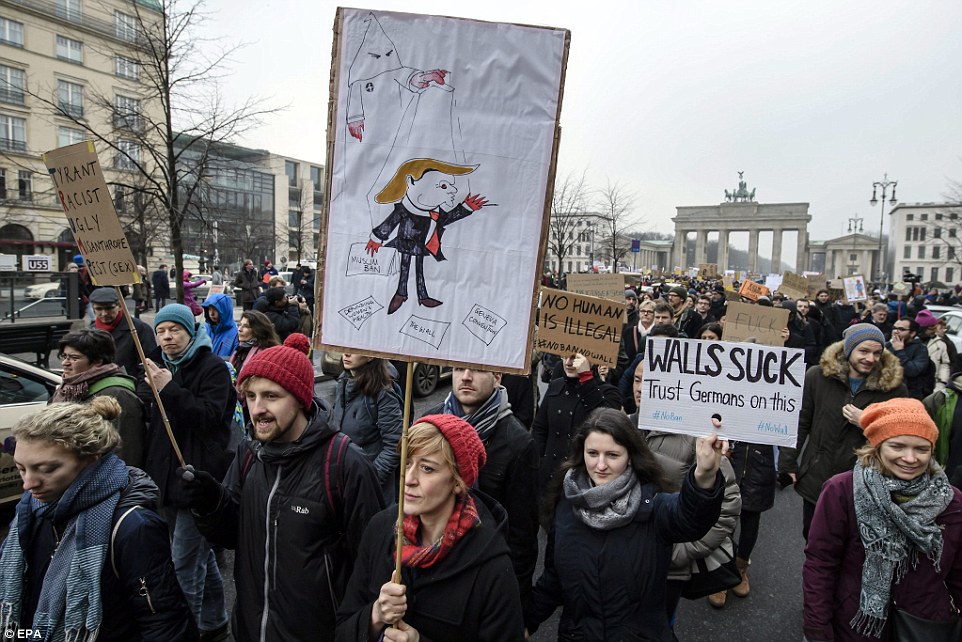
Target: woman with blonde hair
[(453, 555), (884, 550), (86, 556)]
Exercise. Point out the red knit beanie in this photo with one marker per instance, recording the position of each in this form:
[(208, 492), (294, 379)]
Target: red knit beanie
[(897, 417), (287, 366), (468, 450)]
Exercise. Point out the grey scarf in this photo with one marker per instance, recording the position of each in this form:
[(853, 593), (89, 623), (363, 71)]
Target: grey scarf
[(893, 534), (486, 417), (603, 507)]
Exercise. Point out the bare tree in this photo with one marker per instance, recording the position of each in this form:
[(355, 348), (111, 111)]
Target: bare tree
[(615, 207), (567, 207), (161, 133)]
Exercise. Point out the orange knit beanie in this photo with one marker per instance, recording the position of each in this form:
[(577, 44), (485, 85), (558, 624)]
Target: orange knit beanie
[(897, 417)]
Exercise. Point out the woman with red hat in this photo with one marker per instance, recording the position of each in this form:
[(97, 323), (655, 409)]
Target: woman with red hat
[(456, 580), (884, 551)]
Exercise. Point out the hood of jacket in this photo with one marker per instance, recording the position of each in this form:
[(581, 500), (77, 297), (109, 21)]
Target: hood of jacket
[(319, 429), (486, 542), (225, 309), (140, 491), (886, 377)]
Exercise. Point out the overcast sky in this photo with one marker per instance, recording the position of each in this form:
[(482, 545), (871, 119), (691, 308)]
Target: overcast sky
[(812, 100)]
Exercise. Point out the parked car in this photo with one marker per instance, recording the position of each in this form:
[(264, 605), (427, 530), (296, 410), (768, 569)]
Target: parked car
[(41, 290), (953, 326), (426, 376), (289, 288), (24, 389), (938, 310)]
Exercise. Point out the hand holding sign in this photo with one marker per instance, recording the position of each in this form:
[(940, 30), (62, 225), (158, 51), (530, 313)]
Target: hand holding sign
[(708, 454), (160, 376)]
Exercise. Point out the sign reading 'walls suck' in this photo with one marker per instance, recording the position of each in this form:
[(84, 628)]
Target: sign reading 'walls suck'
[(756, 389)]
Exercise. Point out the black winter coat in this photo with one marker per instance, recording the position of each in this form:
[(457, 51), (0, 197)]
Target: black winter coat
[(826, 440), (469, 596), (249, 284), (285, 320), (564, 407), (199, 401), (290, 548), (754, 466), (914, 357), (142, 602), (161, 285), (510, 477), (611, 584)]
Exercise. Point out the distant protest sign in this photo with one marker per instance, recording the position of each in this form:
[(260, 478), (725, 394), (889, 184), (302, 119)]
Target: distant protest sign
[(606, 286), (816, 282), (708, 270), (752, 290), (573, 323), (757, 390), (794, 286), (773, 282), (854, 288), (745, 321), (82, 192)]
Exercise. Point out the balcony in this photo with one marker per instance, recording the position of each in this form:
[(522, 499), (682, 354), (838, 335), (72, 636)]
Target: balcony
[(13, 145), (47, 8), (75, 111), (133, 122), (11, 96)]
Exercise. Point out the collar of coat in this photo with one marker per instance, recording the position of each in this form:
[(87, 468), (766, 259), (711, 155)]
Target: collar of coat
[(887, 377)]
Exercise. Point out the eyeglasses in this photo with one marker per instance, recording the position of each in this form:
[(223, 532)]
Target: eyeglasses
[(900, 329), (72, 358), (646, 311), (104, 308)]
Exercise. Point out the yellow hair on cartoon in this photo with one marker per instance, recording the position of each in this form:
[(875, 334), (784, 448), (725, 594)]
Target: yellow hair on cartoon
[(396, 188)]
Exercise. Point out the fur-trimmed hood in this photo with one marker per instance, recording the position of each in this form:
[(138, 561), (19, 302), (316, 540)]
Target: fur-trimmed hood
[(885, 378)]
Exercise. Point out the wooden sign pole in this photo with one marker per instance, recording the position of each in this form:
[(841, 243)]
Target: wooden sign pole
[(408, 391)]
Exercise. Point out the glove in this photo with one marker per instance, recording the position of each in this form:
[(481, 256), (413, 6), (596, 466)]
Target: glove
[(202, 493)]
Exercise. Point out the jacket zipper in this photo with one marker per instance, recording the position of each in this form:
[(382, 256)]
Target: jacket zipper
[(330, 583), (267, 556), (146, 594)]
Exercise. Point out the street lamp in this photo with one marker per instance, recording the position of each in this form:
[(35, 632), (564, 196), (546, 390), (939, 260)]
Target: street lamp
[(854, 225), (884, 184)]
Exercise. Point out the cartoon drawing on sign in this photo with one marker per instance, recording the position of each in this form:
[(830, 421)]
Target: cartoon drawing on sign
[(384, 98), (425, 199)]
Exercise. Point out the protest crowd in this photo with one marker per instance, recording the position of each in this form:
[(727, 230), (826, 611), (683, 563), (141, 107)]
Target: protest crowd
[(116, 538)]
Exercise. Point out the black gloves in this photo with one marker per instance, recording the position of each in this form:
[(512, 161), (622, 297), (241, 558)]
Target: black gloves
[(201, 492)]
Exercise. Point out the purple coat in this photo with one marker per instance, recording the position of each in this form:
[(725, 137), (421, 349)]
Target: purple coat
[(832, 574)]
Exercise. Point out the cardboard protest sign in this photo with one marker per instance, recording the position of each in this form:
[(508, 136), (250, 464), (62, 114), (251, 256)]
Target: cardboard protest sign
[(816, 282), (745, 321), (606, 286), (708, 270), (83, 194), (756, 389), (855, 288), (423, 109), (571, 323), (794, 286), (752, 290)]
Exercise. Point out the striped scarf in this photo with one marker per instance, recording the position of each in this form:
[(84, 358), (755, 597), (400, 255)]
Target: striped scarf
[(69, 609), (486, 417), (463, 518)]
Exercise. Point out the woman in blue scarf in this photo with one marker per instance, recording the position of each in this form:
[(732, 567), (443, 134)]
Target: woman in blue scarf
[(86, 558)]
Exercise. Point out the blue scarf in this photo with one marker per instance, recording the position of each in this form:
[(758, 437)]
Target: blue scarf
[(70, 609), (200, 340)]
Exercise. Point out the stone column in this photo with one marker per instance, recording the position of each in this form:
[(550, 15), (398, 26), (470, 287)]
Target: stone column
[(753, 250), (801, 260), (678, 248), (777, 250), (701, 247), (722, 251)]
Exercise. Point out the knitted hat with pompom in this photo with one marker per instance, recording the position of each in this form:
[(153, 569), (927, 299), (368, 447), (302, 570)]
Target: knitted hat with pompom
[(287, 366)]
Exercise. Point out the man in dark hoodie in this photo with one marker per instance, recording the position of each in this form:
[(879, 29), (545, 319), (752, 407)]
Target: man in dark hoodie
[(510, 475), (303, 478)]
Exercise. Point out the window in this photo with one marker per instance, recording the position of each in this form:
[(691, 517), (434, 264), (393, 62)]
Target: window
[(908, 234), (935, 274), (317, 223), (921, 254), (69, 49), (952, 232), (125, 26), (853, 258), (13, 133), (910, 217), (936, 252), (924, 217), (3, 184), (11, 85), (907, 254), (316, 176), (290, 169), (915, 234), (951, 252), (120, 202), (24, 187), (953, 216), (128, 154), (922, 233), (949, 274), (21, 387), (294, 219), (127, 68), (69, 136), (127, 112), (938, 216), (937, 233), (70, 98), (920, 271), (69, 9), (11, 32)]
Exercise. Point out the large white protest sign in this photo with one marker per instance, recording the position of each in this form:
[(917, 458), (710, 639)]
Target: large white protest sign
[(756, 389), (441, 159)]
